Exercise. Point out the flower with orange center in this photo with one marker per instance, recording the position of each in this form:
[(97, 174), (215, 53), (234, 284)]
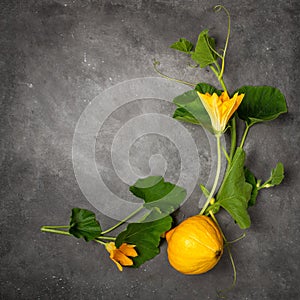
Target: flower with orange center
[(220, 108), (120, 255)]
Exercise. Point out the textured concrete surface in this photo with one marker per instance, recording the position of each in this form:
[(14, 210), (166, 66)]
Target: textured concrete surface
[(56, 56)]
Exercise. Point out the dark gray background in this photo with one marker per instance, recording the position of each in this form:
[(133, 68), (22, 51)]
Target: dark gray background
[(56, 56)]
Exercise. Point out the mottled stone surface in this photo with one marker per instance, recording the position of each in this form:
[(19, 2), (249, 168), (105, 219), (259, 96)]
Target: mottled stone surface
[(56, 57)]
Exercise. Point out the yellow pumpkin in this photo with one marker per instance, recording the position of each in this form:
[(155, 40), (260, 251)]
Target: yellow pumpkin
[(195, 246)]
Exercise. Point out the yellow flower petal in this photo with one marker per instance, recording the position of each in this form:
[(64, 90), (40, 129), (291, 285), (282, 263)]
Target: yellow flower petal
[(220, 108), (128, 250), (120, 255), (110, 247), (118, 265), (121, 258)]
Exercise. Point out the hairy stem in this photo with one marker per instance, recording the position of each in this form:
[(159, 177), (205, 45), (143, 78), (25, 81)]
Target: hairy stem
[(47, 229)]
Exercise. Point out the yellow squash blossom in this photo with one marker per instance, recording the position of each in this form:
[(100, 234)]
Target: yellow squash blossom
[(220, 108), (120, 255)]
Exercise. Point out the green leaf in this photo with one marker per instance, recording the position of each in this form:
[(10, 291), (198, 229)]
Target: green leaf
[(160, 197), (250, 178), (261, 103), (204, 88), (182, 114), (237, 208), (235, 192), (276, 177), (146, 237), (203, 55), (214, 208), (277, 174), (183, 45), (84, 224), (192, 110)]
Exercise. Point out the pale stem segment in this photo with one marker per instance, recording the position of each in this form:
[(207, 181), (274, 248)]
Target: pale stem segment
[(100, 242), (245, 135), (218, 137), (228, 249), (217, 9), (219, 78), (156, 63), (123, 221), (52, 230), (110, 238), (226, 154), (237, 239), (55, 227), (233, 139)]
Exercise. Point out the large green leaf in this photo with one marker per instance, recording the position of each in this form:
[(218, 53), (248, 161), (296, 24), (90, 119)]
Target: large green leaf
[(83, 223), (183, 45), (160, 197), (235, 192), (190, 109), (237, 208), (261, 103), (203, 55), (146, 237)]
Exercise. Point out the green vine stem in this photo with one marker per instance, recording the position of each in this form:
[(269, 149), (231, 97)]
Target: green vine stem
[(123, 221), (218, 137), (237, 239), (100, 242), (110, 238), (56, 227), (157, 63), (225, 154), (52, 230), (219, 74), (229, 251), (218, 8), (233, 138), (245, 135), (219, 78)]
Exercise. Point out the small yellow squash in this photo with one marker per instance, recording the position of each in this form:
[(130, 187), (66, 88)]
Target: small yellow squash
[(195, 246)]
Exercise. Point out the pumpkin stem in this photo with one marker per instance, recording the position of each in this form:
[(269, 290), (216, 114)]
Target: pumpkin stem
[(218, 253)]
